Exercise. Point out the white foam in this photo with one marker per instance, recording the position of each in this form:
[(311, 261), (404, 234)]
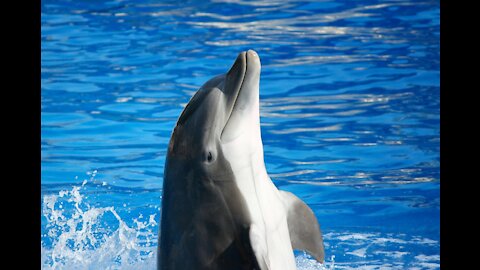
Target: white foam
[(359, 252), (306, 262), (80, 240)]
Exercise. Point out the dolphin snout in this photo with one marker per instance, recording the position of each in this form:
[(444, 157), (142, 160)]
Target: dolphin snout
[(239, 65), (245, 60), (243, 99), (252, 53), (253, 64)]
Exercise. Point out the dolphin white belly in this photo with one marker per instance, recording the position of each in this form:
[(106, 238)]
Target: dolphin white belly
[(269, 220)]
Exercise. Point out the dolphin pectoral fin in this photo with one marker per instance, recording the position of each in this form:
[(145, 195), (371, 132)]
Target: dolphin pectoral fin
[(303, 226)]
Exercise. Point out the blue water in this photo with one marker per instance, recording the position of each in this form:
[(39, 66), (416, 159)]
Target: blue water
[(349, 96)]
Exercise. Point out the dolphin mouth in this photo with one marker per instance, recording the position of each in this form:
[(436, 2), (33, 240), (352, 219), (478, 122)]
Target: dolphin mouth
[(236, 75), (245, 69), (238, 70)]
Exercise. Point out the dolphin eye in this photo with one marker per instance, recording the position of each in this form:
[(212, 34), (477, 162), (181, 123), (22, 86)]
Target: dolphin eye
[(209, 156)]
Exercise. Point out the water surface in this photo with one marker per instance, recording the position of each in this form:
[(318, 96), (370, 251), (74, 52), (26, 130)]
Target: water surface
[(349, 96)]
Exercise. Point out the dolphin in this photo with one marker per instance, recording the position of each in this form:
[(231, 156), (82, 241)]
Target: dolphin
[(220, 209)]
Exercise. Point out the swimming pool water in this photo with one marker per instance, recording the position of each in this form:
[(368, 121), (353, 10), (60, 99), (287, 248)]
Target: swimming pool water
[(349, 95)]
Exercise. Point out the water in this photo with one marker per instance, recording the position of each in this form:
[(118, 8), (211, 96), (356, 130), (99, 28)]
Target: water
[(349, 96)]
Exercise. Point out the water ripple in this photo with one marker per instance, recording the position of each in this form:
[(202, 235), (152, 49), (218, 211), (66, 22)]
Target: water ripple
[(349, 106)]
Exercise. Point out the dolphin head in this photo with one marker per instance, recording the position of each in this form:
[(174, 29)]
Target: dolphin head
[(225, 110)]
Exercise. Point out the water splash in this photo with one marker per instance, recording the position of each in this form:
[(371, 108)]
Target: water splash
[(307, 262), (80, 236)]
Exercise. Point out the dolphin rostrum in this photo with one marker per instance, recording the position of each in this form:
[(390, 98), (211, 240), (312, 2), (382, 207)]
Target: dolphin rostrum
[(220, 209)]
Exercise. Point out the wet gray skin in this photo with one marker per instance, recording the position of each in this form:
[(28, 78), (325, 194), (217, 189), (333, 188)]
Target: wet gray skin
[(205, 220)]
